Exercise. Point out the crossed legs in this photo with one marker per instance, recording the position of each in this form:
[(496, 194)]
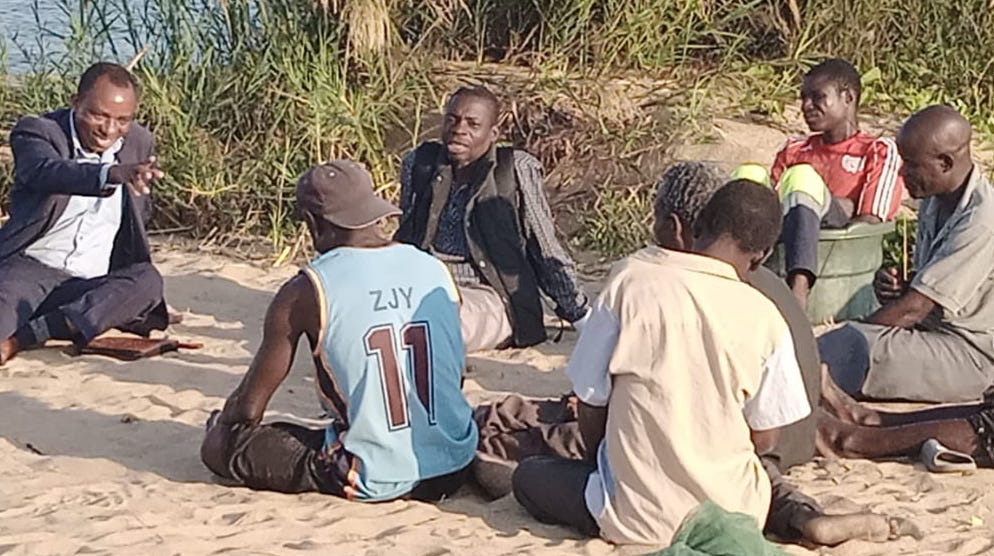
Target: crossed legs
[(847, 428), (38, 303)]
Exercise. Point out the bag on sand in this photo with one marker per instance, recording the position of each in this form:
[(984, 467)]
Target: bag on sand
[(130, 349), (711, 531)]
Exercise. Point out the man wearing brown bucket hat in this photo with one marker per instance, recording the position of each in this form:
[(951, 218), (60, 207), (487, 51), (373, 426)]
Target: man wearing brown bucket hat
[(382, 320)]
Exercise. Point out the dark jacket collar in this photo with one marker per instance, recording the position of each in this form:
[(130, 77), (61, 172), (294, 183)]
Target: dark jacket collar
[(479, 170), (61, 117)]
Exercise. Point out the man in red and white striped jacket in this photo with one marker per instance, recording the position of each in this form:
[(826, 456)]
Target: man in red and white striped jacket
[(834, 176)]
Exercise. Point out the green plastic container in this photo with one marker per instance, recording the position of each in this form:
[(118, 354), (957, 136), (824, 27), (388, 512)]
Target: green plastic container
[(847, 260)]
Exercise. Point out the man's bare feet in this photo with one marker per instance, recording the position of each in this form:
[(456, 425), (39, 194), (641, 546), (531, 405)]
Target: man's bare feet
[(831, 435), (830, 530), (841, 404), (8, 349), (175, 317)]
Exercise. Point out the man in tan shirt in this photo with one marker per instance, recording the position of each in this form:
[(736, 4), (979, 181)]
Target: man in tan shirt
[(682, 425)]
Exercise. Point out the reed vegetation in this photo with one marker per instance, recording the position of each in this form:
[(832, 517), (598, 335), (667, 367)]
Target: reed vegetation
[(244, 94)]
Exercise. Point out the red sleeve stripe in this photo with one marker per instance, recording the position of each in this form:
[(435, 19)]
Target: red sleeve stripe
[(887, 182)]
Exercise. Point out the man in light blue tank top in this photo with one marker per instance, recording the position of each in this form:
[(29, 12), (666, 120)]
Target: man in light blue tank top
[(383, 323)]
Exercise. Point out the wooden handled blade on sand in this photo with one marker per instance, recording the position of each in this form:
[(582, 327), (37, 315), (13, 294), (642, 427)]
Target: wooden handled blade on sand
[(131, 349)]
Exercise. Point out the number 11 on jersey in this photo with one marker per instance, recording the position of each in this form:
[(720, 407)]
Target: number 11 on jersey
[(416, 343)]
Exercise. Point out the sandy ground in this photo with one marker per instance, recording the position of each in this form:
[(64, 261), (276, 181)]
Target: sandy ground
[(100, 457)]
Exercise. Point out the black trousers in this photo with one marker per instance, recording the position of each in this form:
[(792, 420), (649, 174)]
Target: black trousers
[(788, 506), (552, 489), (285, 457), (36, 300), (801, 229)]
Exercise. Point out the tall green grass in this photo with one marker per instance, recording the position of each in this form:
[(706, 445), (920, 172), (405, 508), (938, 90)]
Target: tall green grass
[(244, 95), (242, 98)]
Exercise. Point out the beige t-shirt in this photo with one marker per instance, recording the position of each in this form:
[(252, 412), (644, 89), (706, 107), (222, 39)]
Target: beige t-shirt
[(689, 359)]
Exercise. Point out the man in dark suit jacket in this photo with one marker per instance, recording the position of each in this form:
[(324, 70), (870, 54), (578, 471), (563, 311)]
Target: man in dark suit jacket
[(74, 256)]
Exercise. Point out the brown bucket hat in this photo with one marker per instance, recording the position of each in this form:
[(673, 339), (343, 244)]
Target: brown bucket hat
[(341, 191)]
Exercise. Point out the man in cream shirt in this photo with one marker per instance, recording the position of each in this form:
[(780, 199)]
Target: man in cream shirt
[(684, 372)]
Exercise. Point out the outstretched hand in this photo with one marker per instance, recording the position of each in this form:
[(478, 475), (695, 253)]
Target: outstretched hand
[(138, 177)]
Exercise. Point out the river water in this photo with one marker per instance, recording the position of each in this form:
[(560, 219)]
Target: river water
[(29, 28), (19, 30)]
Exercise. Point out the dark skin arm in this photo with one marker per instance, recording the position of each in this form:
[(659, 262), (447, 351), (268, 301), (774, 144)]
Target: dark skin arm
[(902, 306), (868, 218), (292, 312), (38, 164), (592, 421), (905, 312), (764, 441), (850, 209)]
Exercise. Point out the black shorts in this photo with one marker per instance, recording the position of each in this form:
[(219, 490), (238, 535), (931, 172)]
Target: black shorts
[(285, 457)]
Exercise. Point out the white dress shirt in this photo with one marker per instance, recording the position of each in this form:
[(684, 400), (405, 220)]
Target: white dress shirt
[(82, 239)]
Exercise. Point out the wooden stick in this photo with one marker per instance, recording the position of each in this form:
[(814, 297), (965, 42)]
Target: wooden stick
[(904, 249)]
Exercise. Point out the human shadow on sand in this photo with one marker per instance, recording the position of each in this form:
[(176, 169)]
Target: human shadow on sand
[(507, 517), (171, 370), (509, 370), (166, 448), (239, 311)]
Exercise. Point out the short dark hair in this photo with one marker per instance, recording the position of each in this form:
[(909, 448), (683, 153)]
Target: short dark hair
[(840, 72), (746, 211), (478, 92), (116, 74)]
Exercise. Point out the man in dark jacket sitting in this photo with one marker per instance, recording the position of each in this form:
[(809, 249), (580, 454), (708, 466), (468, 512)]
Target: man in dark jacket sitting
[(482, 210), (74, 257)]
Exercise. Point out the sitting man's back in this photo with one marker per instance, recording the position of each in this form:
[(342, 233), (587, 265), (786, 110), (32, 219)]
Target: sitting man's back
[(692, 407), (390, 362), (383, 324), (684, 372)]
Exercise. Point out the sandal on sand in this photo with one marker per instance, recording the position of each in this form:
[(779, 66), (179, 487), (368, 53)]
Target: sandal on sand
[(939, 459)]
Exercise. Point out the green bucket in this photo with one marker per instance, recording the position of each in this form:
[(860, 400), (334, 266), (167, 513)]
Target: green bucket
[(847, 260)]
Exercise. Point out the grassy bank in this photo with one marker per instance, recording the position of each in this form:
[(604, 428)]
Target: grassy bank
[(243, 96)]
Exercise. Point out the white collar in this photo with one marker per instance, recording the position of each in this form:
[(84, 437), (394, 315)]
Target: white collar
[(109, 153)]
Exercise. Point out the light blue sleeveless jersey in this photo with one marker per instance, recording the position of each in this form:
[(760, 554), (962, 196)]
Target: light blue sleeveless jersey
[(393, 356)]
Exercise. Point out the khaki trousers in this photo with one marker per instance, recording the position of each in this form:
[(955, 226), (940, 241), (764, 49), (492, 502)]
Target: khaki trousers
[(484, 319)]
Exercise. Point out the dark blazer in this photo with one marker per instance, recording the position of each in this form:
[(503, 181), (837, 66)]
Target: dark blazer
[(46, 175)]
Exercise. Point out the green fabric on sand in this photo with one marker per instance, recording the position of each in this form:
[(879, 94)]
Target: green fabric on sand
[(711, 531)]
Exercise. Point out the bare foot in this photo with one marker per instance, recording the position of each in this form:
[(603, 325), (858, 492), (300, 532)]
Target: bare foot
[(841, 404), (175, 317), (830, 530), (831, 434), (8, 349)]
